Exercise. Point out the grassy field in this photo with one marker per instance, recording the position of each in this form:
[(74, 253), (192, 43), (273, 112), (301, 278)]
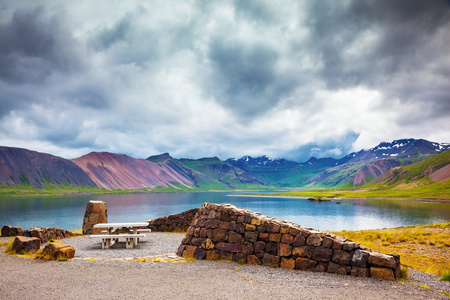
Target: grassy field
[(438, 190), (61, 189), (422, 247)]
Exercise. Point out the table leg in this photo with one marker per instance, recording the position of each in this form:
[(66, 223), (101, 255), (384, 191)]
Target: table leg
[(129, 243), (135, 240)]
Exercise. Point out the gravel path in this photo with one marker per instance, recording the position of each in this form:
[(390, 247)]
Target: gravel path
[(22, 278)]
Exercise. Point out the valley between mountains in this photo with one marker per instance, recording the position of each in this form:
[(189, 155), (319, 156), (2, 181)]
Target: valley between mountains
[(402, 167)]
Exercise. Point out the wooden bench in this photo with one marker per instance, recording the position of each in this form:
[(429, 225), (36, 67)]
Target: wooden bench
[(110, 239)]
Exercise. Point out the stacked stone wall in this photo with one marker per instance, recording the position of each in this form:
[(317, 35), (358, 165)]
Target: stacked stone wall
[(173, 223), (226, 232), (43, 233)]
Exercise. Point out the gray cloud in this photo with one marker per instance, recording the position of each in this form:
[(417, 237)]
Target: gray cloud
[(246, 75), (400, 28), (289, 78), (35, 46)]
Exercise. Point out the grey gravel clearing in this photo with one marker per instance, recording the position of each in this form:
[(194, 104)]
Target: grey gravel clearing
[(155, 243), (22, 278)]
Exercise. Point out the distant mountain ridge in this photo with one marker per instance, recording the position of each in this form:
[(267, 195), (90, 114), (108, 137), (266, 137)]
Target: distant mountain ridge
[(118, 171), (22, 166), (352, 169), (222, 171)]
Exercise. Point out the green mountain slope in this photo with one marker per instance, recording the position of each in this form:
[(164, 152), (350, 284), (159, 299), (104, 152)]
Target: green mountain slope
[(427, 179), (350, 171), (201, 181), (223, 172), (414, 175)]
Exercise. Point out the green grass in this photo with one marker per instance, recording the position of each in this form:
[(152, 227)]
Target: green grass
[(404, 272), (435, 190), (445, 276), (59, 189), (54, 190), (62, 259)]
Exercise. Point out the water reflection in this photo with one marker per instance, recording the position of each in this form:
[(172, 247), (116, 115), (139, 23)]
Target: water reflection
[(67, 211)]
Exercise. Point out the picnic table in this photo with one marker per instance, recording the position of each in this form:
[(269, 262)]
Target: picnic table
[(130, 231)]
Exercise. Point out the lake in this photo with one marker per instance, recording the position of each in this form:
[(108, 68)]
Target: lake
[(67, 211)]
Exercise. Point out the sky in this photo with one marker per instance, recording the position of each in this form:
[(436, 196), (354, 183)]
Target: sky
[(287, 79)]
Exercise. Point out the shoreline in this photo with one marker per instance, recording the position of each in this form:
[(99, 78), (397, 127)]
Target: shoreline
[(267, 195), (430, 200)]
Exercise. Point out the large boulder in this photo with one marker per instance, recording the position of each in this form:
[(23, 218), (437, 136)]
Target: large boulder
[(8, 230), (96, 212), (28, 244), (57, 250)]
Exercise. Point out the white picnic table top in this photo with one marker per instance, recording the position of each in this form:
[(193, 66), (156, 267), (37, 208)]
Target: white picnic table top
[(121, 225), (110, 238)]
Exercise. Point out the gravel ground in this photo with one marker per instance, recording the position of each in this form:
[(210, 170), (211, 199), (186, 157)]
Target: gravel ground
[(22, 278), (155, 243)]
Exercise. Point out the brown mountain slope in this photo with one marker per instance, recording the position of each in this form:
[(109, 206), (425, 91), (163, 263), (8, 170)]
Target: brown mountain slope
[(22, 166), (118, 171), (441, 174), (435, 168), (375, 169)]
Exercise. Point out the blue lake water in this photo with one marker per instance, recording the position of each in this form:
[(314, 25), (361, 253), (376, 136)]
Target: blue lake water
[(67, 211)]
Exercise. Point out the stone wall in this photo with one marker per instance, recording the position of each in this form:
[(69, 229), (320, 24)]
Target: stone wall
[(43, 233), (226, 232), (173, 223)]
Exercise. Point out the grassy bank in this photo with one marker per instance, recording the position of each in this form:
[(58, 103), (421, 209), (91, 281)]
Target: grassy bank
[(53, 190), (439, 190), (422, 247), (66, 189)]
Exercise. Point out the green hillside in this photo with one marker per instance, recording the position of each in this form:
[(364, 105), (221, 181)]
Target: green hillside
[(406, 182), (223, 172), (411, 176)]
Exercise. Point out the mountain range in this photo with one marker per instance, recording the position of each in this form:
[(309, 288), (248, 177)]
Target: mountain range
[(164, 173)]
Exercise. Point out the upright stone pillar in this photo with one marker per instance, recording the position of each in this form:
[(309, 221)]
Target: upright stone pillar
[(96, 212)]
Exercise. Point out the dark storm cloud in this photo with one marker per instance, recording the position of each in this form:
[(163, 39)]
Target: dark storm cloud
[(282, 78), (246, 74), (34, 46), (407, 37), (106, 37), (88, 96), (402, 28), (255, 11)]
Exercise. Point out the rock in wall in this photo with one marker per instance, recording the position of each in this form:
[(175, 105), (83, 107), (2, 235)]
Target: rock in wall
[(47, 233), (8, 230), (177, 222), (42, 233), (223, 231)]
